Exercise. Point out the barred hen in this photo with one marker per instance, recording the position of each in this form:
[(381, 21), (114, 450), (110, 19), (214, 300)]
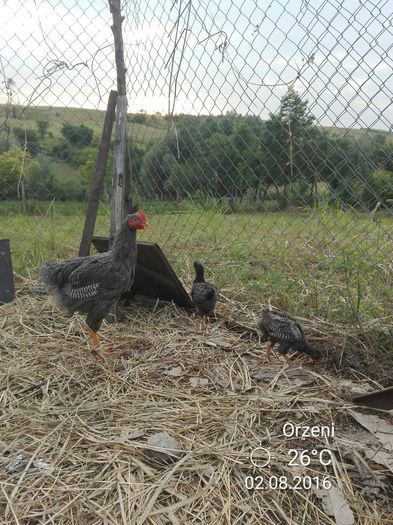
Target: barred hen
[(204, 295), (91, 285), (281, 328)]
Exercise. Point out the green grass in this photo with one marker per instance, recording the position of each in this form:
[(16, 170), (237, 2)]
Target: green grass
[(327, 264), (64, 171)]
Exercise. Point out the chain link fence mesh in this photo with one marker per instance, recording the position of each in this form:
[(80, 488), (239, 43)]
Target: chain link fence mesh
[(260, 139)]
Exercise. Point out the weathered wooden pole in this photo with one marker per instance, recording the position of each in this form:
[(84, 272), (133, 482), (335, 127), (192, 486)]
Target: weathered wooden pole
[(120, 151), (98, 178), (128, 202)]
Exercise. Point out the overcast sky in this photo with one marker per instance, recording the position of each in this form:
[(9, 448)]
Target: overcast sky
[(349, 45)]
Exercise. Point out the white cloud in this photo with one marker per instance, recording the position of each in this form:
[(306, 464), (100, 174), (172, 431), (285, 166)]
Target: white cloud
[(205, 83)]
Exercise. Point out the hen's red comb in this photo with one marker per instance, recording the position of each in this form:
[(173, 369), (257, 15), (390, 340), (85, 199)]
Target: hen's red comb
[(142, 215)]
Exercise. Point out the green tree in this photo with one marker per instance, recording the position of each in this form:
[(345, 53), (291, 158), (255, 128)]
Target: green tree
[(40, 179), (88, 166), (77, 135), (379, 188), (28, 138), (42, 126), (286, 134), (384, 155), (13, 167), (342, 170), (157, 166)]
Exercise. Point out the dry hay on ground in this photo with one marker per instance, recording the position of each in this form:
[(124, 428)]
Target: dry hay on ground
[(213, 392)]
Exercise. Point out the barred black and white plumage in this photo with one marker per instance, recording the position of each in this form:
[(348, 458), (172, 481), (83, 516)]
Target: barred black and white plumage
[(204, 295), (281, 328), (92, 284)]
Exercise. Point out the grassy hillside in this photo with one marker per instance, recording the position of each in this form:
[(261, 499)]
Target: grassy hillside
[(153, 128), (357, 133)]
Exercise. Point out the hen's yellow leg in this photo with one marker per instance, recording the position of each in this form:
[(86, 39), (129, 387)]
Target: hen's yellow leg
[(95, 346)]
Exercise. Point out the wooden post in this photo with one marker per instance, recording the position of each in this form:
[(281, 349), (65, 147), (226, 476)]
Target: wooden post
[(120, 153), (119, 166), (98, 178), (128, 202)]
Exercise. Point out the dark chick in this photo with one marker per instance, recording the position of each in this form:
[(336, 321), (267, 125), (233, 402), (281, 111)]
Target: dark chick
[(283, 329), (204, 295), (91, 285)]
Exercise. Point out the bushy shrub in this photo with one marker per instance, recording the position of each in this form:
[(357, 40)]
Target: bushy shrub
[(71, 190), (29, 138), (13, 166), (137, 118), (379, 188), (40, 180), (63, 150), (77, 135)]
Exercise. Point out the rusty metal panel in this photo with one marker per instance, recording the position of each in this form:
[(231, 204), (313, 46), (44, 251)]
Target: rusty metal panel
[(382, 399), (154, 276), (7, 287)]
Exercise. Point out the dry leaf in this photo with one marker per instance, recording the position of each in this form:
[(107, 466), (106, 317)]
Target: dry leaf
[(367, 476), (334, 504), (355, 388), (198, 381), (291, 377), (381, 428), (221, 378), (134, 434), (263, 374), (382, 457), (369, 445), (171, 449), (224, 345), (208, 471), (20, 463), (177, 371)]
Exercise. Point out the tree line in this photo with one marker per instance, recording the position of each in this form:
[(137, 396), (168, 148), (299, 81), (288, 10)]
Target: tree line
[(233, 158), (286, 158)]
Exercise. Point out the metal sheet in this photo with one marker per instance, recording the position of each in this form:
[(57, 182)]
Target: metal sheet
[(154, 276), (7, 287), (382, 399)]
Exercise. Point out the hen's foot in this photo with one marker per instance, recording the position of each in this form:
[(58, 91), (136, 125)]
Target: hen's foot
[(287, 361), (103, 353)]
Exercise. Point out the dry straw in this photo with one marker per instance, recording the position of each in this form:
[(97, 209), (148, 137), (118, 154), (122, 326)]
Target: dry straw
[(90, 423)]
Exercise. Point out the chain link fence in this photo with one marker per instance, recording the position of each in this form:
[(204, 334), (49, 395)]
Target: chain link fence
[(260, 140)]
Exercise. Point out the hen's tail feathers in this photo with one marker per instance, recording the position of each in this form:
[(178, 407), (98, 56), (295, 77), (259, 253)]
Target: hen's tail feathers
[(49, 273), (313, 352), (199, 272), (55, 274)]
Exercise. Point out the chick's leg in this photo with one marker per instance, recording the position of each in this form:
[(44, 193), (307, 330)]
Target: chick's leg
[(94, 343), (283, 350), (269, 348), (203, 323)]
